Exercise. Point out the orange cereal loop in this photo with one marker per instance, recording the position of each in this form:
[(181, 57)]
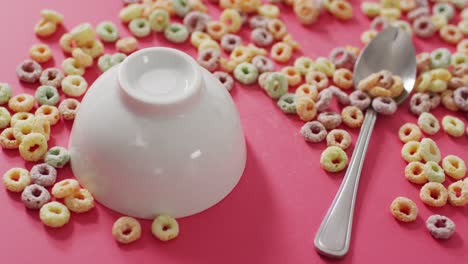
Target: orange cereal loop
[(21, 103), (378, 91), (341, 9), (16, 179), (50, 112), (241, 54), (433, 194), (127, 45), (307, 90), (409, 132), (277, 28), (292, 75), (65, 188), (33, 147), (397, 87), (403, 209), (126, 230), (305, 108), (352, 116), (317, 79), (458, 193), (414, 172), (80, 201), (40, 53), (343, 78), (281, 52), (451, 34), (8, 139), (216, 29)]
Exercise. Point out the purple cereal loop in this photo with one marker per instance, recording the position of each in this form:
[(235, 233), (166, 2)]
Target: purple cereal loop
[(440, 227), (29, 71), (342, 58), (51, 77), (209, 59), (460, 96), (384, 105), (379, 23), (359, 99), (35, 196), (258, 22), (43, 174), (196, 21), (263, 64), (424, 27), (313, 131), (261, 37), (434, 98), (418, 12), (341, 96), (385, 79), (226, 80), (230, 41), (323, 100), (330, 120), (420, 103)]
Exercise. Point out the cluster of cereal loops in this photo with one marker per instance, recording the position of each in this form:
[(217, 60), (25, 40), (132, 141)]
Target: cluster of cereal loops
[(426, 167), (127, 229), (308, 11), (420, 18)]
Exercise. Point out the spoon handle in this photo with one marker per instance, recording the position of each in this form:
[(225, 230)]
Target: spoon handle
[(334, 234)]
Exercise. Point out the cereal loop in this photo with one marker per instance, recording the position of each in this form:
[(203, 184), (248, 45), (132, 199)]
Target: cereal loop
[(40, 53), (65, 188), (21, 103), (429, 150), (16, 179), (428, 123), (433, 194), (457, 194), (339, 138), (126, 230), (409, 132), (80, 201), (54, 214), (411, 151), (404, 209), (333, 159), (165, 228), (414, 172), (440, 227), (454, 167)]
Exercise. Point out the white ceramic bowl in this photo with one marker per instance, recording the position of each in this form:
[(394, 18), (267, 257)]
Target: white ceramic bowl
[(157, 134)]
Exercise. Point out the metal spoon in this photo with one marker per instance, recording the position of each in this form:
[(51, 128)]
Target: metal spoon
[(392, 50)]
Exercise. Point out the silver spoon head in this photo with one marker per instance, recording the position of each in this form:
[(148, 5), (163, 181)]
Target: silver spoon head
[(392, 50)]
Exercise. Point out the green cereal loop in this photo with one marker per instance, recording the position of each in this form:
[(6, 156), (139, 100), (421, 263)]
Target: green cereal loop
[(5, 117), (139, 27), (57, 157), (437, 86), (440, 58), (176, 33), (287, 103), (324, 65), (181, 7), (47, 95), (458, 59), (333, 159), (303, 64), (105, 62), (246, 73), (276, 85), (443, 9), (159, 20), (433, 172), (117, 58), (5, 93), (107, 31)]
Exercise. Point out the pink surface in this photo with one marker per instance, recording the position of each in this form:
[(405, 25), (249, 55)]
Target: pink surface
[(274, 212)]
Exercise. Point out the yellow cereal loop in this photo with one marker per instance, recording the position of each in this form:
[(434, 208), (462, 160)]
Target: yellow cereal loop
[(341, 9), (281, 52), (45, 28), (52, 16), (231, 18), (371, 9), (71, 66), (333, 159), (305, 108), (324, 65), (269, 11), (254, 50), (50, 112), (216, 29), (94, 48), (21, 103), (454, 167), (82, 58), (228, 65), (241, 54), (208, 44), (16, 179), (414, 172), (83, 33), (293, 76), (453, 126), (306, 11), (22, 129), (21, 117), (248, 6), (165, 228), (304, 64), (409, 132), (423, 82), (277, 28), (439, 21), (33, 147), (429, 150), (390, 3), (41, 125), (40, 53), (198, 37), (441, 74), (367, 36), (126, 230), (411, 151), (391, 14), (8, 140), (80, 201), (131, 12), (65, 188), (54, 214), (67, 43)]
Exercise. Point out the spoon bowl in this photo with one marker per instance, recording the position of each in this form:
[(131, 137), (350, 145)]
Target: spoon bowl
[(391, 50)]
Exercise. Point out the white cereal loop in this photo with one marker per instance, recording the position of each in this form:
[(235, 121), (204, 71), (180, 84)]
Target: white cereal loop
[(428, 123), (429, 151), (74, 85)]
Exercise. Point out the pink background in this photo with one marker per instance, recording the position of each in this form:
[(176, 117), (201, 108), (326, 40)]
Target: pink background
[(273, 214)]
